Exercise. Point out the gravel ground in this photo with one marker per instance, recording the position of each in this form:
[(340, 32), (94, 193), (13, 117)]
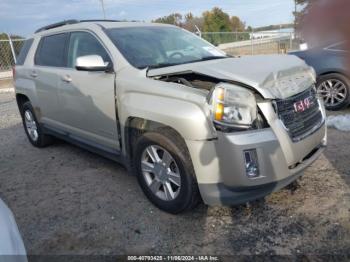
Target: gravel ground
[(69, 201)]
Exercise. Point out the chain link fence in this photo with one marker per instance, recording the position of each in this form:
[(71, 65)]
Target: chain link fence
[(233, 43), (9, 50), (255, 43)]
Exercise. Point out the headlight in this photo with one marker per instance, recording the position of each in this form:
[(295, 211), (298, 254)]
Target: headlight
[(233, 106)]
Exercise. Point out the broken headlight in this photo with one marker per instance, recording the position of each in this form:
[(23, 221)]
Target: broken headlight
[(233, 106)]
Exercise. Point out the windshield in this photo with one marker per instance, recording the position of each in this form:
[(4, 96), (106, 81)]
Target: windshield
[(158, 46)]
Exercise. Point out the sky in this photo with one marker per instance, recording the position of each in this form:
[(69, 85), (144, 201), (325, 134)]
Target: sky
[(23, 17)]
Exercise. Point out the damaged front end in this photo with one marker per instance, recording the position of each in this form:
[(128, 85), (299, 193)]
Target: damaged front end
[(234, 99), (191, 79), (232, 107)]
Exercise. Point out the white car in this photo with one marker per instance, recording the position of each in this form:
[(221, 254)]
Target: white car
[(11, 245)]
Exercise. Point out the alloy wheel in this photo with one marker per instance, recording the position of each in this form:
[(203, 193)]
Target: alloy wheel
[(161, 172), (31, 125), (333, 92)]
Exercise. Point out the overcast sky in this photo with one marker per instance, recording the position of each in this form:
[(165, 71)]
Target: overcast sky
[(24, 16)]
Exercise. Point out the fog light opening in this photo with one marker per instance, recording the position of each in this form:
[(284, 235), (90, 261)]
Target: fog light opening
[(251, 163)]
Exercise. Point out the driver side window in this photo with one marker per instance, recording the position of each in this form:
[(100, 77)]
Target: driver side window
[(82, 44)]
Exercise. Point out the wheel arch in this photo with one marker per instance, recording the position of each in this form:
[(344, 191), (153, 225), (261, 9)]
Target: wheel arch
[(333, 72), (21, 99), (136, 126)]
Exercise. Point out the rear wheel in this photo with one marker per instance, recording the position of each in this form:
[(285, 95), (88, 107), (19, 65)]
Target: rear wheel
[(165, 172), (335, 91), (32, 127)]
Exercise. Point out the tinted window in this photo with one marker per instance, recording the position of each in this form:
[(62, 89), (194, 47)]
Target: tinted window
[(52, 51), (24, 51), (82, 44)]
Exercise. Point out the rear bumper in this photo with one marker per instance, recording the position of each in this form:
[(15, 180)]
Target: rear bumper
[(221, 194)]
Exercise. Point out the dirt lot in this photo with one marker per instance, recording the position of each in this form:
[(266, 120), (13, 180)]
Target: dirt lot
[(69, 201)]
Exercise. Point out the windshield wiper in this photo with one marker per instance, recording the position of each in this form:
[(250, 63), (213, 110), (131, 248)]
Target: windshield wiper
[(160, 65), (209, 58)]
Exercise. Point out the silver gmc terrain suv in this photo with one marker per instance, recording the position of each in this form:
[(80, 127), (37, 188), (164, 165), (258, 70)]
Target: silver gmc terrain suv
[(191, 122)]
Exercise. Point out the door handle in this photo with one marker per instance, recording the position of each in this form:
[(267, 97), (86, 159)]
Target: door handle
[(34, 74), (66, 79)]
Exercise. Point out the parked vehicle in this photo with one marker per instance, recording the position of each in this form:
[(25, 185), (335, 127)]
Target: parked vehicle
[(333, 81), (189, 121), (11, 244)]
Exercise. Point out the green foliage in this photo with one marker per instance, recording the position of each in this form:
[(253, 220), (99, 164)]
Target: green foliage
[(216, 20), (236, 24), (173, 19)]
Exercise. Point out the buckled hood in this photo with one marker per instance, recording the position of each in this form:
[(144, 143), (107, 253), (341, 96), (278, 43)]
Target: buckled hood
[(273, 76)]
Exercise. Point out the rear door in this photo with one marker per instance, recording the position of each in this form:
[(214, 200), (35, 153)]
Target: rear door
[(87, 100), (50, 60)]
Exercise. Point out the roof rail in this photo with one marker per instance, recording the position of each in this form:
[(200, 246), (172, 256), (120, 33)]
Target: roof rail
[(65, 22), (99, 20)]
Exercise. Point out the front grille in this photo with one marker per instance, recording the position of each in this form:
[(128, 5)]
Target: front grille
[(300, 124)]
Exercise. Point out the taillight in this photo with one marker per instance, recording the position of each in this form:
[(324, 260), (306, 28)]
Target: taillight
[(14, 72)]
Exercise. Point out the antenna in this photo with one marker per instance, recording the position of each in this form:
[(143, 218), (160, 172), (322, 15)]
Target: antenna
[(103, 9), (198, 31)]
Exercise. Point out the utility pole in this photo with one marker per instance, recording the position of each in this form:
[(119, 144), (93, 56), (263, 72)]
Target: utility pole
[(12, 49), (199, 33), (295, 16), (103, 9)]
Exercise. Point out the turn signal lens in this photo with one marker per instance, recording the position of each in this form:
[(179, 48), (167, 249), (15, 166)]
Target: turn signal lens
[(219, 111)]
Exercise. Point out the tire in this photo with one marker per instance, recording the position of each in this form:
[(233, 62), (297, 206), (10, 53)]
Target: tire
[(335, 91), (186, 196), (33, 128)]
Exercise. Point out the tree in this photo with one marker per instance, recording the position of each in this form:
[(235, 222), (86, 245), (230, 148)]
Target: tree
[(216, 20), (192, 22), (173, 19), (236, 24)]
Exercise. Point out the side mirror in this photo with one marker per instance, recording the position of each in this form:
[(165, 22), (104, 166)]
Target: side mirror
[(92, 63)]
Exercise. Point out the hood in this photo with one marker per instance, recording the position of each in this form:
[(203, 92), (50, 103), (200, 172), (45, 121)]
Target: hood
[(273, 76)]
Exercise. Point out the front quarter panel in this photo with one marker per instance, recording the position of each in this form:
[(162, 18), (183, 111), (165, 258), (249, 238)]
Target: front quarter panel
[(182, 108)]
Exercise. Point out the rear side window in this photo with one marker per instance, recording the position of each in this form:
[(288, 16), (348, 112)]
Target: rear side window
[(52, 51), (24, 51)]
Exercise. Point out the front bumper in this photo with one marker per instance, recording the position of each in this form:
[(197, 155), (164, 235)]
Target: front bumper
[(220, 164), (220, 194)]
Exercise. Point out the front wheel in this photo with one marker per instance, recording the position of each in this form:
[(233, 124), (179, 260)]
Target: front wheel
[(335, 90), (165, 172)]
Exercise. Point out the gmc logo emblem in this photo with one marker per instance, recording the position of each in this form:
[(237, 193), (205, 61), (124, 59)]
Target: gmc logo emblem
[(303, 105)]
